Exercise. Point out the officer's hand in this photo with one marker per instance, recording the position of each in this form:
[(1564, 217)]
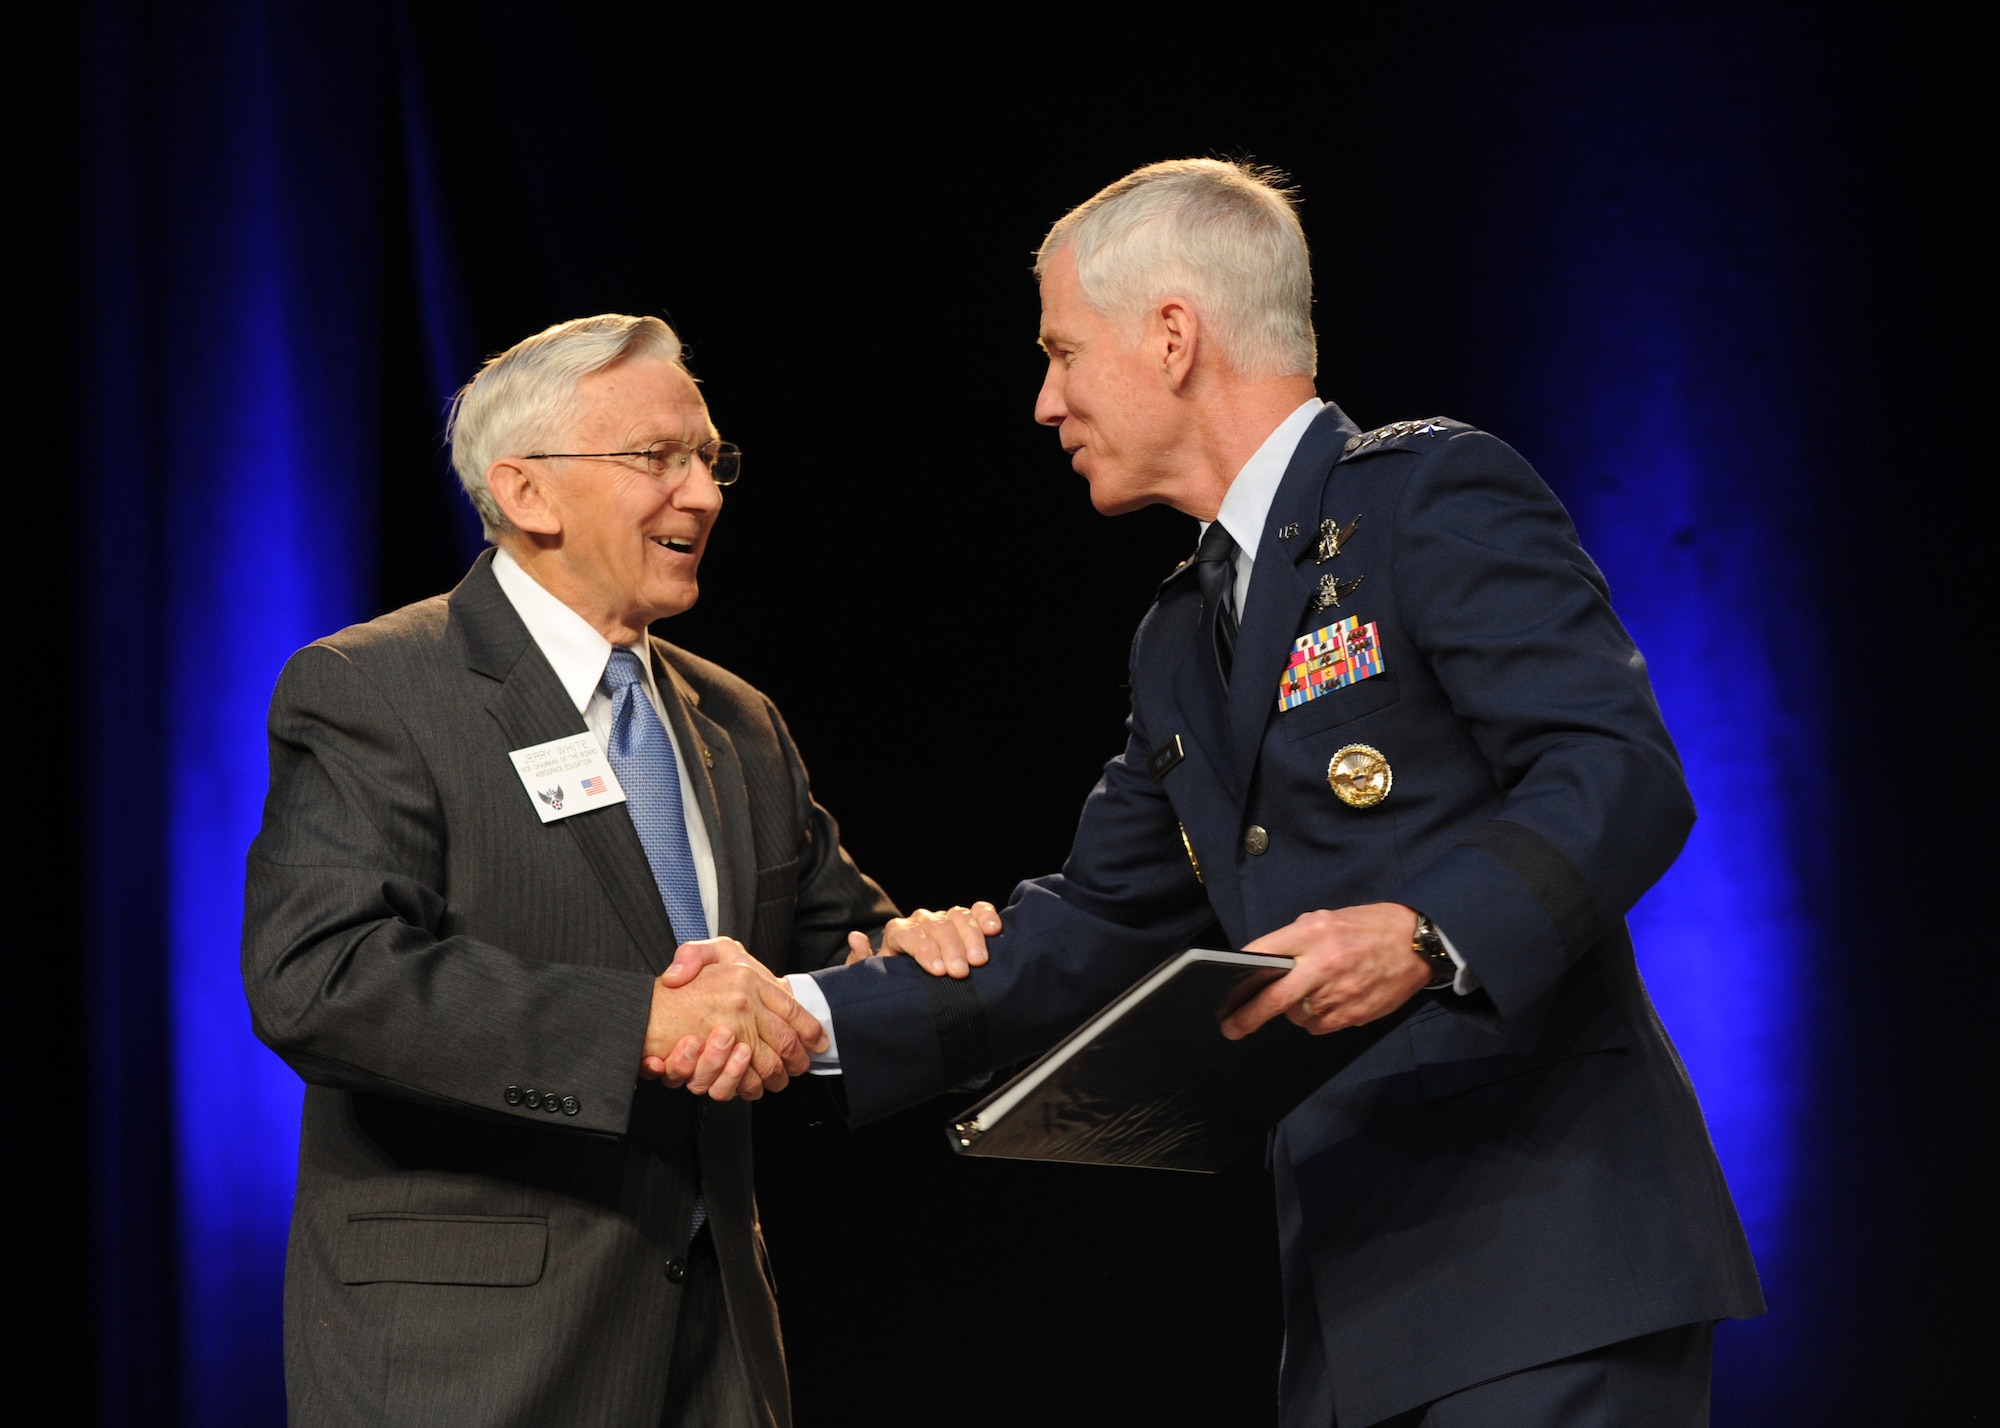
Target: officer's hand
[(1351, 966), (951, 942)]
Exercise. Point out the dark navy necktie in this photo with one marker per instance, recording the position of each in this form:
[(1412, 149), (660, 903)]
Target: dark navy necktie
[(1215, 572), (643, 758)]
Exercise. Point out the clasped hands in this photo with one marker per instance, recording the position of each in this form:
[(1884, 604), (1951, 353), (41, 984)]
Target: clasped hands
[(723, 1026)]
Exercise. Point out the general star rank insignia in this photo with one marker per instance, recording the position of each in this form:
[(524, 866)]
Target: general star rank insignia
[(1332, 590), (1330, 659)]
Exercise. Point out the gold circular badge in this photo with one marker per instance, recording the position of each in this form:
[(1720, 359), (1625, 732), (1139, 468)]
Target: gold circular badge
[(1359, 776)]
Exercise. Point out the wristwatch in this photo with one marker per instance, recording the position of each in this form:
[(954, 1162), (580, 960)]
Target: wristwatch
[(1429, 945)]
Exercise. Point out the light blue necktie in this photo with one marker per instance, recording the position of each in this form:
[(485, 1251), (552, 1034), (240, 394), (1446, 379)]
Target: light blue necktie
[(643, 758)]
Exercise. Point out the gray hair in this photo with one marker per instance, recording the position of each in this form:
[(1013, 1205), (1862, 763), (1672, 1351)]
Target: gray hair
[(1224, 236), (526, 397)]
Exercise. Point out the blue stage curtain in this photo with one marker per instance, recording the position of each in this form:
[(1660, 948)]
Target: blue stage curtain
[(1641, 290), (235, 292)]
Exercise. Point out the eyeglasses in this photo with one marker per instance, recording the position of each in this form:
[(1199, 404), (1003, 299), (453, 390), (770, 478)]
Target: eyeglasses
[(667, 460)]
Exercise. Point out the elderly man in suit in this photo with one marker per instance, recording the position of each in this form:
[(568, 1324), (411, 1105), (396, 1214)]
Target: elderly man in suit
[(1384, 722), (493, 816)]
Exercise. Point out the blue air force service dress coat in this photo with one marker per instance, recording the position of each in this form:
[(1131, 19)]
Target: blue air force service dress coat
[(1494, 1180)]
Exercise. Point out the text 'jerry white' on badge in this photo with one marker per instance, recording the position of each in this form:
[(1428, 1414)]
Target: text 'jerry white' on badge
[(567, 776)]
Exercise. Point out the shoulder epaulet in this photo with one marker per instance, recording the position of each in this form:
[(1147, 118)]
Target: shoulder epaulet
[(1396, 433)]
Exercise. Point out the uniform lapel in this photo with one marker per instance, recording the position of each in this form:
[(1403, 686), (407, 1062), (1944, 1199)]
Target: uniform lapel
[(716, 775), (1188, 702), (1279, 592), (530, 706), (1197, 709)]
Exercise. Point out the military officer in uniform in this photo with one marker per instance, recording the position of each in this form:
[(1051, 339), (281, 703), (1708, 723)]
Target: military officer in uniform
[(1386, 723)]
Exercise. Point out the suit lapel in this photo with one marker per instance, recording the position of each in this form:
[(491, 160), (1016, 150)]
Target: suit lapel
[(529, 705), (716, 774), (1279, 592)]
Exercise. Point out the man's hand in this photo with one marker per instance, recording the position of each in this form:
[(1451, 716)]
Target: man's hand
[(951, 942), (1352, 966), (757, 1036)]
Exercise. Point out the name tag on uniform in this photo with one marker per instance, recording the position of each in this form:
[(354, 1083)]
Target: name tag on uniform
[(567, 776)]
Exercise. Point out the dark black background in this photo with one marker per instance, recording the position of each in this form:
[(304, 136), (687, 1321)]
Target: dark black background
[(838, 215)]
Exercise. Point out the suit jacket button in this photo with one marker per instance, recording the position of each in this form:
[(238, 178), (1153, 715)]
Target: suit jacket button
[(677, 1270), (532, 1099), (571, 1105), (1255, 840), (513, 1095), (550, 1103)]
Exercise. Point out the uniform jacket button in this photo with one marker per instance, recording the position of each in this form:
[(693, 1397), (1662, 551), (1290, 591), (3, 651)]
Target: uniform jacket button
[(677, 1270), (1255, 840)]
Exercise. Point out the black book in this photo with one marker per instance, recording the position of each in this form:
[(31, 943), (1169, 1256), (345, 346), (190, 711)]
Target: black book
[(1151, 1080)]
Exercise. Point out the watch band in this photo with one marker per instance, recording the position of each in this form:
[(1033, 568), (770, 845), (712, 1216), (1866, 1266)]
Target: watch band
[(1429, 945)]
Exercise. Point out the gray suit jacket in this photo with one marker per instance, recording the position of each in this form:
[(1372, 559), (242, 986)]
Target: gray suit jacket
[(425, 952)]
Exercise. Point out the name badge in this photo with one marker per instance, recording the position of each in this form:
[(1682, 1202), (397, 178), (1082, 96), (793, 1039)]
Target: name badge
[(567, 776)]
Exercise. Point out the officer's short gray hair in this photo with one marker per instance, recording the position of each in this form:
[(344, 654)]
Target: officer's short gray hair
[(525, 398), (1224, 236)]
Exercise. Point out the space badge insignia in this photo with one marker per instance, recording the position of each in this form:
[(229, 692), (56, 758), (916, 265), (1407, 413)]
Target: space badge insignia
[(1360, 776), (1329, 659), (1332, 590)]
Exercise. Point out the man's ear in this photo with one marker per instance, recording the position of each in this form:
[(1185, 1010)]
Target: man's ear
[(522, 494), (1177, 336)]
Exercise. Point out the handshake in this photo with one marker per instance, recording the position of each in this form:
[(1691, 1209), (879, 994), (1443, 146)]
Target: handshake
[(723, 1026)]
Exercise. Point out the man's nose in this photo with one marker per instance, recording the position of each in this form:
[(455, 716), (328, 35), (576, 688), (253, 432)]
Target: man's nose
[(697, 490), (1049, 408)]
